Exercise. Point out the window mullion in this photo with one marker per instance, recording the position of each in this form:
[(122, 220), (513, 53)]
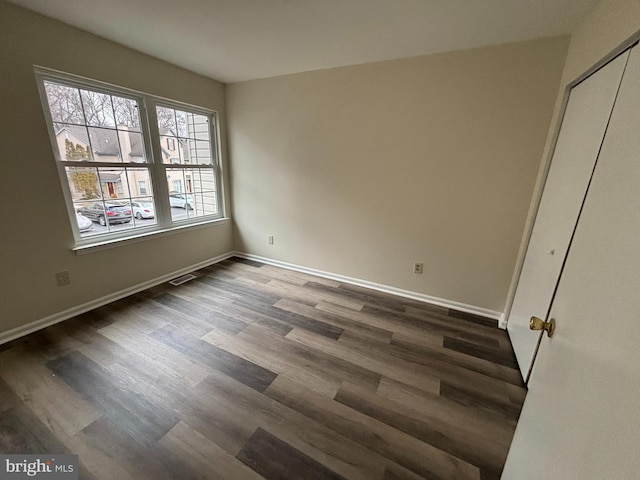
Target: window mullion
[(214, 132), (158, 172), (85, 164)]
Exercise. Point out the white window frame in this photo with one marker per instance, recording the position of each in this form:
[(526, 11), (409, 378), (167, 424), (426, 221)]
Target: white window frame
[(152, 145)]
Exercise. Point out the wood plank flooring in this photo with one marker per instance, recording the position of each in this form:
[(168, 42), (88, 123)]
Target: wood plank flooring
[(251, 371)]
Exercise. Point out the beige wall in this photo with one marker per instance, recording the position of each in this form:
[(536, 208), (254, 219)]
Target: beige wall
[(362, 170), (36, 237), (609, 25)]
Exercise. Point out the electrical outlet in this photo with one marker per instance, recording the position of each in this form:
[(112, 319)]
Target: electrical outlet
[(270, 239), (63, 278), (417, 268)]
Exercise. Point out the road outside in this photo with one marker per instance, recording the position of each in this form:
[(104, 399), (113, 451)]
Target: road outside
[(176, 214)]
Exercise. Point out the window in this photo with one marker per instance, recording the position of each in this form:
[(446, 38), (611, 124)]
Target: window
[(110, 162), (191, 133)]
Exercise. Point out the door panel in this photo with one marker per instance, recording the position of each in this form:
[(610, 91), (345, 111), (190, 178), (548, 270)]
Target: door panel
[(583, 128), (581, 416)]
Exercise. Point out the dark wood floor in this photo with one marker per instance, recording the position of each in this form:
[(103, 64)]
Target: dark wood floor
[(251, 371)]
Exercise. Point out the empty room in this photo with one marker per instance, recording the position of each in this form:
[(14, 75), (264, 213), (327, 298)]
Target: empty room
[(320, 239)]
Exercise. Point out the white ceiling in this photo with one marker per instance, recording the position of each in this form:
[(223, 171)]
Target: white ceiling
[(235, 40)]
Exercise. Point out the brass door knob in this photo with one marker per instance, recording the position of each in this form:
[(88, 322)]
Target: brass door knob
[(537, 324)]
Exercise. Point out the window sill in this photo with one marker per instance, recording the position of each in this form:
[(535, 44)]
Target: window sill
[(119, 242)]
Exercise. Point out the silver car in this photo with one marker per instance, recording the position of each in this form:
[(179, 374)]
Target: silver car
[(181, 200), (84, 224), (143, 210)]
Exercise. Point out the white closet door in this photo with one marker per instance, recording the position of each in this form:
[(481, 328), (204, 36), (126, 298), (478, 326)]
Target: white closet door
[(583, 128), (581, 417)]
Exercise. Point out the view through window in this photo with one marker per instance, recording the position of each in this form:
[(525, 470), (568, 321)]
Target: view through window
[(114, 183)]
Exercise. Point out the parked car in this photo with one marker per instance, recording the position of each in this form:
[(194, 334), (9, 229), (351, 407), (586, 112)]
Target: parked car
[(84, 224), (181, 200), (143, 210), (111, 212)]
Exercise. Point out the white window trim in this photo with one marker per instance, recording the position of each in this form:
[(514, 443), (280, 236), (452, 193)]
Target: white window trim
[(152, 144), (140, 237)]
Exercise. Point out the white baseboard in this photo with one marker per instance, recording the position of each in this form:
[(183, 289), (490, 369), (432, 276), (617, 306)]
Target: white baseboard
[(502, 321), (85, 307), (463, 307), (36, 325)]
